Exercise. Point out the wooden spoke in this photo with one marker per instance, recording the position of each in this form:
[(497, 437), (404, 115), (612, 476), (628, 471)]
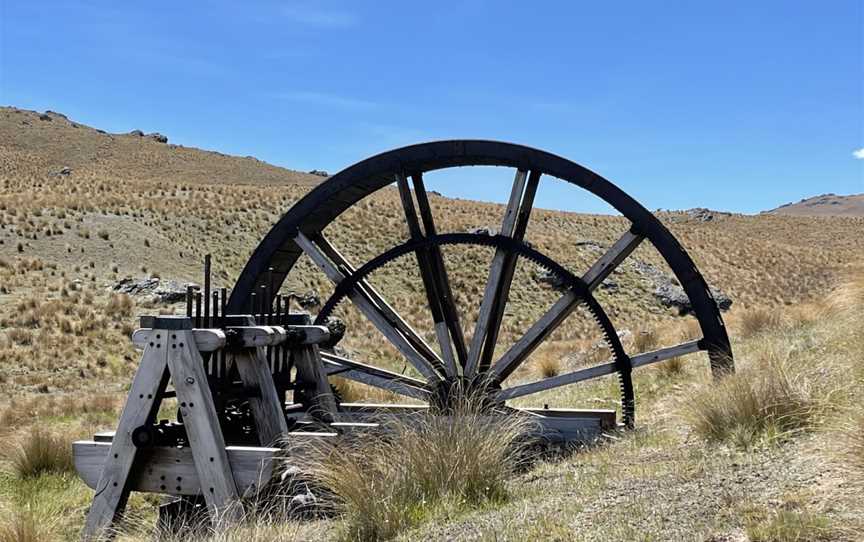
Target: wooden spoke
[(389, 312), (427, 269), (557, 381), (550, 321), (372, 311), (448, 304), (373, 376), (497, 289), (611, 259), (535, 335), (665, 353)]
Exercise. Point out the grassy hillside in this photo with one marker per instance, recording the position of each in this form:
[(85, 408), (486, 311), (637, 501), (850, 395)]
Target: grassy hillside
[(824, 205), (133, 206)]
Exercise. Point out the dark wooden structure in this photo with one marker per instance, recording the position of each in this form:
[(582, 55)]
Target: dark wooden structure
[(248, 373)]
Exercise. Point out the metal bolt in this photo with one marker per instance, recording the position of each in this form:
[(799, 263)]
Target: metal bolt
[(190, 380)]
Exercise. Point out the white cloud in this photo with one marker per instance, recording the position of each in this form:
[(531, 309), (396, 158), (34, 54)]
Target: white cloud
[(859, 154), (303, 13)]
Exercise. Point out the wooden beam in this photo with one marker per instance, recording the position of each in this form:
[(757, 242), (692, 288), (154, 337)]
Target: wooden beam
[(493, 283), (206, 340), (665, 353), (439, 273), (369, 309), (112, 487), (373, 376), (202, 426), (430, 284), (536, 334), (611, 259), (312, 376), (556, 381), (389, 312), (171, 470)]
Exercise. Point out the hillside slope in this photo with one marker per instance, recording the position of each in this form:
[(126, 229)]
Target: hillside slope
[(48, 142), (824, 205)]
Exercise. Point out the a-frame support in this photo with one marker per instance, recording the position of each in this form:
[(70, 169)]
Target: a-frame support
[(171, 352)]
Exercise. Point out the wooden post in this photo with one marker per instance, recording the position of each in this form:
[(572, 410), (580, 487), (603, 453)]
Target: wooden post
[(202, 425), (254, 371), (141, 408), (312, 377)]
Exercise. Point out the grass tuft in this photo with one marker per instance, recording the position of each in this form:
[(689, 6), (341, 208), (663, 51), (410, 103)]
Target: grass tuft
[(41, 452), (22, 526), (384, 485)]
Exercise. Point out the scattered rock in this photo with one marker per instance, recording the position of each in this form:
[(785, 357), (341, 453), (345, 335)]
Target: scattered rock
[(138, 133), (483, 230), (669, 292), (156, 136), (550, 279), (45, 116), (65, 171), (699, 214), (589, 243), (319, 172), (157, 289)]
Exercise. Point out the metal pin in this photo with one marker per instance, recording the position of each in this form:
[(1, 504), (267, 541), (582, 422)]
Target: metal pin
[(207, 290), (198, 309)]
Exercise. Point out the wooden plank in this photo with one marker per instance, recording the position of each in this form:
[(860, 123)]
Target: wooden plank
[(142, 403), (611, 259), (207, 340), (371, 312), (202, 426), (266, 408), (508, 269), (430, 284), (450, 312), (496, 271), (375, 298), (536, 334), (665, 353), (171, 470), (556, 381), (312, 376)]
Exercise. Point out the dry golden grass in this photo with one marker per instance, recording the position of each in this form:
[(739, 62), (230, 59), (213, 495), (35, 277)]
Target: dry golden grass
[(41, 452), (22, 526), (382, 485)]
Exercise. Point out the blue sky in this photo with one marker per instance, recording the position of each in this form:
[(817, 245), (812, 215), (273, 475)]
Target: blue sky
[(729, 105)]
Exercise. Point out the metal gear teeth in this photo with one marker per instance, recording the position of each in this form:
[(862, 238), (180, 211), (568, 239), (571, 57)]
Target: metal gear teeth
[(619, 357)]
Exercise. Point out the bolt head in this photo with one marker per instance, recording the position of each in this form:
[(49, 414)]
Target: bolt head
[(190, 380)]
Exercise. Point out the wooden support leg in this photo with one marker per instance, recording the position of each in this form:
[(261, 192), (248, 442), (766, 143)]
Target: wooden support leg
[(202, 426), (266, 408), (312, 375), (141, 408)]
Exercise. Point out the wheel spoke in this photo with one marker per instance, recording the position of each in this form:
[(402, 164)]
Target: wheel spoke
[(389, 312), (557, 381), (372, 311), (666, 353), (448, 303), (373, 376), (434, 294), (553, 318), (503, 266), (612, 259)]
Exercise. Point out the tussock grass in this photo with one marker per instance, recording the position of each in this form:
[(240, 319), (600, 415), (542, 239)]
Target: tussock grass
[(382, 485), (548, 366), (768, 402), (790, 526), (755, 321), (41, 452), (22, 525)]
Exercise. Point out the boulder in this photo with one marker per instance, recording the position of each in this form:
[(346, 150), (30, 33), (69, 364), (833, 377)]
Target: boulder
[(65, 171), (156, 136), (138, 133), (319, 172), (157, 289), (483, 230), (672, 295)]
